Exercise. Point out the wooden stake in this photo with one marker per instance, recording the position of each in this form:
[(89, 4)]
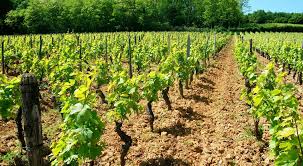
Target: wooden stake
[(130, 58), (168, 43), (106, 58), (135, 38), (40, 48), (80, 56), (250, 46), (3, 62), (52, 41), (215, 43), (8, 40), (187, 54), (188, 46), (32, 119), (31, 41)]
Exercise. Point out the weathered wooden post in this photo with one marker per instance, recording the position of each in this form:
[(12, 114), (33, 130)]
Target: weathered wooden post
[(187, 55), (8, 40), (40, 48), (32, 119), (206, 52), (80, 56), (52, 41), (62, 40), (188, 46), (106, 56), (250, 46), (31, 41), (300, 74), (178, 40), (78, 40), (135, 38), (168, 43), (2, 55), (130, 58), (215, 40)]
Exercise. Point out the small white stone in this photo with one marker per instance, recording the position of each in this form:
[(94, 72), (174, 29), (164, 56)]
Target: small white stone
[(164, 133)]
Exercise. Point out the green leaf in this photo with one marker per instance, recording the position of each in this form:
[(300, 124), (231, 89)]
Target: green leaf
[(289, 158), (80, 93), (257, 100), (275, 92), (132, 91), (76, 108), (286, 132)]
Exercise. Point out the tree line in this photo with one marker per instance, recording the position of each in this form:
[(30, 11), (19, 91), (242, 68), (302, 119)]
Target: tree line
[(261, 17), (60, 16), (56, 16)]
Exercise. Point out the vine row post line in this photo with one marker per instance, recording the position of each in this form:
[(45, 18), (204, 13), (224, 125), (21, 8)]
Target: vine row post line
[(31, 113), (250, 46), (168, 43), (31, 41), (135, 38), (106, 49), (52, 41), (130, 72), (205, 51), (2, 56), (188, 46), (188, 55), (8, 40), (40, 47), (79, 42), (214, 46)]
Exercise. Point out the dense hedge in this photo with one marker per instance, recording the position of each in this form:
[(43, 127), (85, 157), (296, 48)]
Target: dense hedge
[(59, 16), (269, 28)]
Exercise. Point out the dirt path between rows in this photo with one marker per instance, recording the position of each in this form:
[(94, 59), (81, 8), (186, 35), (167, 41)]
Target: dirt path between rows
[(209, 127)]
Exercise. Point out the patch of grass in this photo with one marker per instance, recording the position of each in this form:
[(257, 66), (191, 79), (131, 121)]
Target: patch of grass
[(188, 143), (249, 133), (147, 136), (9, 157), (52, 122)]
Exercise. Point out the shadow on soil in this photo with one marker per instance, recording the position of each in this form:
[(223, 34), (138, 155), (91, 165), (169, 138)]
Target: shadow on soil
[(206, 87), (203, 79), (177, 129), (213, 66), (188, 113), (168, 161), (199, 98), (213, 73)]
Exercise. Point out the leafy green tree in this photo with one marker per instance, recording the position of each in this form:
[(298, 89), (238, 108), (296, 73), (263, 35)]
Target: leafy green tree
[(42, 16)]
